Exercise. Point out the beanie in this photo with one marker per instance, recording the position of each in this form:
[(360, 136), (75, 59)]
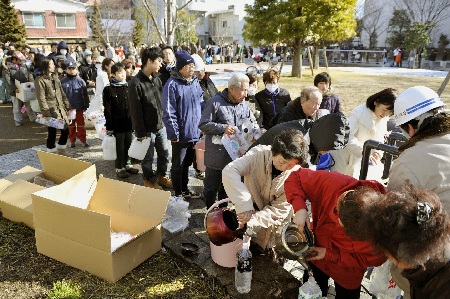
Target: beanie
[(183, 58)]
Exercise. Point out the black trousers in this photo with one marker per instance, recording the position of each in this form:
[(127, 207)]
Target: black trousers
[(322, 280), (51, 137)]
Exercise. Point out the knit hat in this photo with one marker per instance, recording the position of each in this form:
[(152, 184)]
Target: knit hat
[(183, 58), (199, 64)]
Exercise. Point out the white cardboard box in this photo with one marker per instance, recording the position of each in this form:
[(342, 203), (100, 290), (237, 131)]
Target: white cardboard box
[(74, 220)]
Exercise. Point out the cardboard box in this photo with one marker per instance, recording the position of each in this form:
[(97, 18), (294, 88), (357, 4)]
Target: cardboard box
[(16, 188), (73, 223)]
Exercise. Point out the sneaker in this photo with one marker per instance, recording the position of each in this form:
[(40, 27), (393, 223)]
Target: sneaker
[(122, 173), (199, 174), (72, 144), (154, 185), (85, 144), (18, 124), (165, 181), (131, 169), (190, 194)]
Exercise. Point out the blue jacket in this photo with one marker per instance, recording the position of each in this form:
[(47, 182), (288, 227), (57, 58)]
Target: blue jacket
[(76, 92), (219, 112), (182, 103)]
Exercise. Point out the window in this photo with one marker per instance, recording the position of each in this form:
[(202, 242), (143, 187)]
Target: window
[(31, 19), (224, 23), (65, 20)]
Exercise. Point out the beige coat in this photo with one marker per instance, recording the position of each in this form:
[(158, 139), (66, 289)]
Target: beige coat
[(258, 188), (52, 99)]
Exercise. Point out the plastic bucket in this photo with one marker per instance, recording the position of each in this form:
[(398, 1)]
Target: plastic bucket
[(200, 155), (224, 255)]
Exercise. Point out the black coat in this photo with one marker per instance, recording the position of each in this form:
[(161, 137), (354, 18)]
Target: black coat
[(117, 108), (208, 87), (265, 102), (433, 282), (145, 104), (293, 111)]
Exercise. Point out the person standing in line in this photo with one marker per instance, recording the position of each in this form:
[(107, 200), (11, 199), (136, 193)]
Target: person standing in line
[(53, 103), (182, 105), (221, 115), (18, 70), (251, 99), (118, 120), (146, 117), (432, 58), (272, 98), (169, 64), (330, 101), (444, 60), (76, 92)]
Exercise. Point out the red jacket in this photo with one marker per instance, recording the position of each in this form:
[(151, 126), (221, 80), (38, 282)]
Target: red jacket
[(345, 260)]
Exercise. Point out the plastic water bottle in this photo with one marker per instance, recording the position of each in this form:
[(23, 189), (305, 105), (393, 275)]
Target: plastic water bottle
[(310, 289), (243, 271)]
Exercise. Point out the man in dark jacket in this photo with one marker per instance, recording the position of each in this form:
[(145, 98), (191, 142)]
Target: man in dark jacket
[(328, 133), (221, 115), (18, 70), (304, 106), (146, 117), (88, 72), (182, 103), (63, 49), (168, 64)]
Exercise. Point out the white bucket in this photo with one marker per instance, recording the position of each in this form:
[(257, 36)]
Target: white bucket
[(138, 149), (224, 255)]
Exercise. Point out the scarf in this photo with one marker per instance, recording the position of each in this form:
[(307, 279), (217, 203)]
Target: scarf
[(170, 66), (114, 82), (273, 95)]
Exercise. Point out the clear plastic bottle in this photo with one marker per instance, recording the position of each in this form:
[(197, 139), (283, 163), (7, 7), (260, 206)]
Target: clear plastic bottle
[(243, 271)]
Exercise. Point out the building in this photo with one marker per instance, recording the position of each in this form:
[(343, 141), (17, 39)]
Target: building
[(48, 21), (377, 14)]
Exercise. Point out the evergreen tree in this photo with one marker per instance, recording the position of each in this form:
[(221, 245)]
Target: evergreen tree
[(12, 30), (95, 22), (399, 24), (138, 32)]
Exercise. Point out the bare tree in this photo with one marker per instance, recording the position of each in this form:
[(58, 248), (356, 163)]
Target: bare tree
[(425, 10), (372, 23), (117, 23)]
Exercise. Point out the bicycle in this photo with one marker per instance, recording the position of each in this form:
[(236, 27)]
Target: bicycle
[(257, 69)]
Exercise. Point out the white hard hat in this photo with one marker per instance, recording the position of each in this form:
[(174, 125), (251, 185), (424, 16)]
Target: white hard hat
[(199, 64), (99, 59), (415, 101)]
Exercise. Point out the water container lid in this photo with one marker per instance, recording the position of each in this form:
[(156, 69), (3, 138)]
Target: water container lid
[(324, 161)]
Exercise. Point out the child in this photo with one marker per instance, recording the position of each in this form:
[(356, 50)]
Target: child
[(76, 91), (118, 120)]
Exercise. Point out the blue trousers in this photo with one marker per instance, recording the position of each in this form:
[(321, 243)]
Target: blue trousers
[(160, 143)]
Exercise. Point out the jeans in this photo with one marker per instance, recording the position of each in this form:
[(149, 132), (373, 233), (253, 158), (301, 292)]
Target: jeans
[(4, 92), (212, 187), (17, 106), (51, 137), (159, 142), (322, 280), (76, 128), (182, 156), (123, 142)]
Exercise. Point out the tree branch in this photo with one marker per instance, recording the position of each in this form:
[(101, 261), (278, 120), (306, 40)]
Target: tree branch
[(184, 5)]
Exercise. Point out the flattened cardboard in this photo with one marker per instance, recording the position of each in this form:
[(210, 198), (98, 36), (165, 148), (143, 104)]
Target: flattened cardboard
[(15, 202), (80, 234), (56, 168)]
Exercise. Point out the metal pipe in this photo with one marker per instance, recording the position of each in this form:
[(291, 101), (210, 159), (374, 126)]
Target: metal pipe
[(391, 140), (376, 145)]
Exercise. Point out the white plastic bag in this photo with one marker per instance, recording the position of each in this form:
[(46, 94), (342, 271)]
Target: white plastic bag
[(138, 149), (382, 283), (310, 290), (177, 215), (236, 145), (109, 148)]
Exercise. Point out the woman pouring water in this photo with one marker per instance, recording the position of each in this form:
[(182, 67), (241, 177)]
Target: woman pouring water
[(260, 201)]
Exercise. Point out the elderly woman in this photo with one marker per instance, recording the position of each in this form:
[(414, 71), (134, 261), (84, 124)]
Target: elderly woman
[(302, 107), (412, 229), (330, 101), (272, 98), (367, 121), (260, 200), (335, 253)]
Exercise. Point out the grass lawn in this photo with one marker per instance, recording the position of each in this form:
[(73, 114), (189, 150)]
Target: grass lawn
[(354, 88)]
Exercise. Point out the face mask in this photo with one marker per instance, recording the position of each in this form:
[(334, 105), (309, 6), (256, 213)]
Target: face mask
[(63, 51), (88, 60), (271, 87), (251, 91)]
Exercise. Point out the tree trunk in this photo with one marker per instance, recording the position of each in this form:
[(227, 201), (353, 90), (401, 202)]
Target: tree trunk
[(316, 57), (325, 56), (310, 62), (297, 59)]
